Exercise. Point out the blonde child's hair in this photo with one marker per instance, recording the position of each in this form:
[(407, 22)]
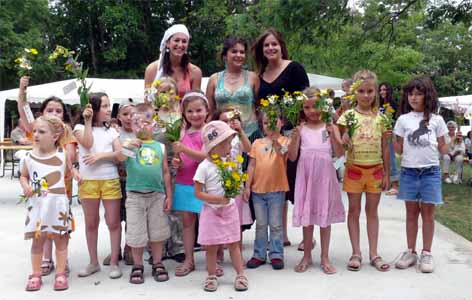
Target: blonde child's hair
[(57, 127), (165, 82), (311, 92), (364, 75)]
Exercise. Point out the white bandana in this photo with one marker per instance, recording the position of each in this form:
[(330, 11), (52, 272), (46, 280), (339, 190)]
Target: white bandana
[(177, 28)]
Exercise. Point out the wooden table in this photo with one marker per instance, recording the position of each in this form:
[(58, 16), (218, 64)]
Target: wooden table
[(8, 147)]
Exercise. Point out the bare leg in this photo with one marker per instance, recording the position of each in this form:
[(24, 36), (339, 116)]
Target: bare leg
[(371, 207), (37, 253), (92, 220), (47, 250), (307, 259), (427, 215), (112, 218), (61, 242), (189, 220), (137, 255), (236, 258), (412, 214), (211, 259), (325, 236), (157, 250), (353, 222)]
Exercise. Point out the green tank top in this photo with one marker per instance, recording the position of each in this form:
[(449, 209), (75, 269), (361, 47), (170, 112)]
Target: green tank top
[(145, 170)]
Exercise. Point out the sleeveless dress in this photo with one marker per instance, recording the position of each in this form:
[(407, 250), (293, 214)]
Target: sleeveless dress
[(48, 209), (242, 99), (317, 191)]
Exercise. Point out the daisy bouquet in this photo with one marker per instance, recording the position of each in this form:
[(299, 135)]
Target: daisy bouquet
[(352, 124), (76, 68), (325, 105), (271, 107), (25, 61), (291, 106), (232, 177)]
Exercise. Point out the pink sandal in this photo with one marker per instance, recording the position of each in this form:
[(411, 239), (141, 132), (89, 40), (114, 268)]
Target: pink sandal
[(34, 283), (60, 282)]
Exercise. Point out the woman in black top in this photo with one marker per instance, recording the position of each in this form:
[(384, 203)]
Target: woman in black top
[(278, 75)]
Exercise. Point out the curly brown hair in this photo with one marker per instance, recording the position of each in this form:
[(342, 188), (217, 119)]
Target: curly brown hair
[(426, 87)]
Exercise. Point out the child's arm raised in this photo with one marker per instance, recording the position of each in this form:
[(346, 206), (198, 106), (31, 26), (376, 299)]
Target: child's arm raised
[(24, 82), (242, 135), (294, 144), (250, 176), (196, 155), (208, 198), (335, 138), (168, 184), (85, 137)]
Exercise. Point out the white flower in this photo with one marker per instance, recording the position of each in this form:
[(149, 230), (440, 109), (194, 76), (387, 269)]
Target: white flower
[(329, 101), (288, 100), (271, 100), (27, 50), (301, 97)]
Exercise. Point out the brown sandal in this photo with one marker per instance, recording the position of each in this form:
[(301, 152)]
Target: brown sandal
[(240, 283), (160, 273), (355, 263), (379, 264), (184, 270), (211, 283)]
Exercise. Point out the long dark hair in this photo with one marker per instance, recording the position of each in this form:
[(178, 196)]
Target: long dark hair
[(424, 85), (389, 98), (258, 49), (167, 66), (229, 43), (66, 117), (95, 100)]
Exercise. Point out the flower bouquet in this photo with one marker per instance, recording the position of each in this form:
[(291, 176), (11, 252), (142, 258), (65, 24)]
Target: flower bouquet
[(75, 67), (291, 106), (271, 107), (325, 105), (39, 189), (232, 177), (25, 61), (352, 124), (386, 114)]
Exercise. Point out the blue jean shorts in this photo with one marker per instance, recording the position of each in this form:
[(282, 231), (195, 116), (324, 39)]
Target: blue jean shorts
[(421, 185)]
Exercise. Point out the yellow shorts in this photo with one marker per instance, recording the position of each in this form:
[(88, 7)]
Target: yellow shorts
[(358, 179), (100, 189)]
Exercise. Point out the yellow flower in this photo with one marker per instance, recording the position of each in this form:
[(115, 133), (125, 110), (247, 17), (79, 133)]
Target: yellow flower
[(215, 156), (33, 51), (177, 98), (245, 177), (217, 162), (68, 67), (239, 159), (44, 184), (324, 93), (297, 93), (156, 83), (232, 164), (228, 183), (18, 60), (236, 176), (264, 102)]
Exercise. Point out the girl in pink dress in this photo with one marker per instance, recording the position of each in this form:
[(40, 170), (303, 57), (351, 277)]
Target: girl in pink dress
[(317, 192)]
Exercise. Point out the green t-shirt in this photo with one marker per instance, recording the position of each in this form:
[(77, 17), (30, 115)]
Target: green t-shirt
[(145, 170)]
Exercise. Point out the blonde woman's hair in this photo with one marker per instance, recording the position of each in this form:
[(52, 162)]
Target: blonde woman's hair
[(57, 127), (364, 75)]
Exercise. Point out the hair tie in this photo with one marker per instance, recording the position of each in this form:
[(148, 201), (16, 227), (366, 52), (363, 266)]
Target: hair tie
[(195, 94)]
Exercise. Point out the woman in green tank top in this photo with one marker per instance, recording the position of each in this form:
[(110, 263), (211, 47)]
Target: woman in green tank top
[(234, 87)]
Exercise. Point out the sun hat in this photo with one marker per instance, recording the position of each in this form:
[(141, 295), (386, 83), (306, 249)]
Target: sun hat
[(214, 133)]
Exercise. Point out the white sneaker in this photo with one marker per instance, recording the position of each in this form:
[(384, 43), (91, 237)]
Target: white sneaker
[(115, 272), (407, 260), (447, 180), (426, 262), (89, 270)]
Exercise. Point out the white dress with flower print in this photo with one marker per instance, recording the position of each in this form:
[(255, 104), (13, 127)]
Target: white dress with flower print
[(48, 208)]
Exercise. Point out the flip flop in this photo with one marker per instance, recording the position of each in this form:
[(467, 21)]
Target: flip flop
[(379, 264), (391, 192), (302, 267), (240, 283), (184, 270), (326, 269)]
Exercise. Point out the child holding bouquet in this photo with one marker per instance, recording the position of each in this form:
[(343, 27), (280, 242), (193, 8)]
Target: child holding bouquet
[(219, 219), (367, 166)]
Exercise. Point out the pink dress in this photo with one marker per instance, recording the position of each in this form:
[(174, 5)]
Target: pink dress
[(317, 191)]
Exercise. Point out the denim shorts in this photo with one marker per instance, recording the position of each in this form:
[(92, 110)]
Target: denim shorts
[(421, 185)]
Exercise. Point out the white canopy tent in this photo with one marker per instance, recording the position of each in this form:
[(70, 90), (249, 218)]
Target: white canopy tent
[(118, 90), (462, 101)]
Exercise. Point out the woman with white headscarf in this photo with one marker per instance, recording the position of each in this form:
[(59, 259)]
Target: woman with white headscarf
[(174, 62)]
